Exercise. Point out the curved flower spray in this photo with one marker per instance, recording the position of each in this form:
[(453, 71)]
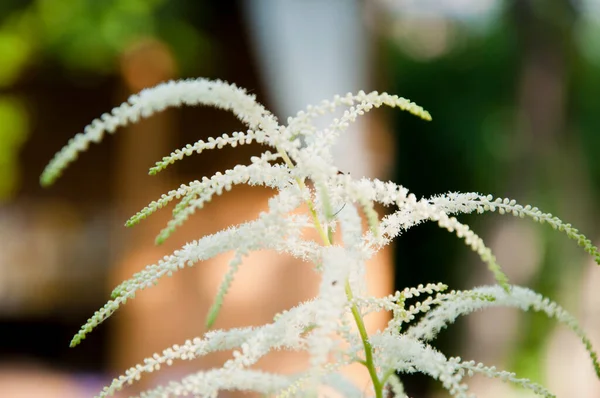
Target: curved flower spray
[(295, 153)]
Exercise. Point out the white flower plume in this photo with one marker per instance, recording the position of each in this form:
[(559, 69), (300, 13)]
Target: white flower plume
[(298, 166)]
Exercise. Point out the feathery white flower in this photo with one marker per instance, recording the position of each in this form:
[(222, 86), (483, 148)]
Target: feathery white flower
[(407, 355), (297, 154), (490, 371), (150, 101), (517, 296)]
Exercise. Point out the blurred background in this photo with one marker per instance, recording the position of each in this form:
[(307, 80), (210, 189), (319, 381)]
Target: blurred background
[(514, 90)]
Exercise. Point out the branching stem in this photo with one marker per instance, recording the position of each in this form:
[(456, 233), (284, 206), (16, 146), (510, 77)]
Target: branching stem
[(327, 238)]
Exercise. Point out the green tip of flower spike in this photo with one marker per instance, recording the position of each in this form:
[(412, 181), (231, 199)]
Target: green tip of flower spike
[(46, 181), (502, 279), (136, 219), (49, 176), (161, 165), (162, 236), (131, 222), (213, 313), (156, 169), (167, 231), (499, 275)]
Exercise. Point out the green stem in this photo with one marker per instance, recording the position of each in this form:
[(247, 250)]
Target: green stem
[(362, 330), (311, 207), (327, 238)]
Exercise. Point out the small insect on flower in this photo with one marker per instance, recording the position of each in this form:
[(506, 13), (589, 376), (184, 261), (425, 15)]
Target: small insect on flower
[(344, 205), (311, 185)]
